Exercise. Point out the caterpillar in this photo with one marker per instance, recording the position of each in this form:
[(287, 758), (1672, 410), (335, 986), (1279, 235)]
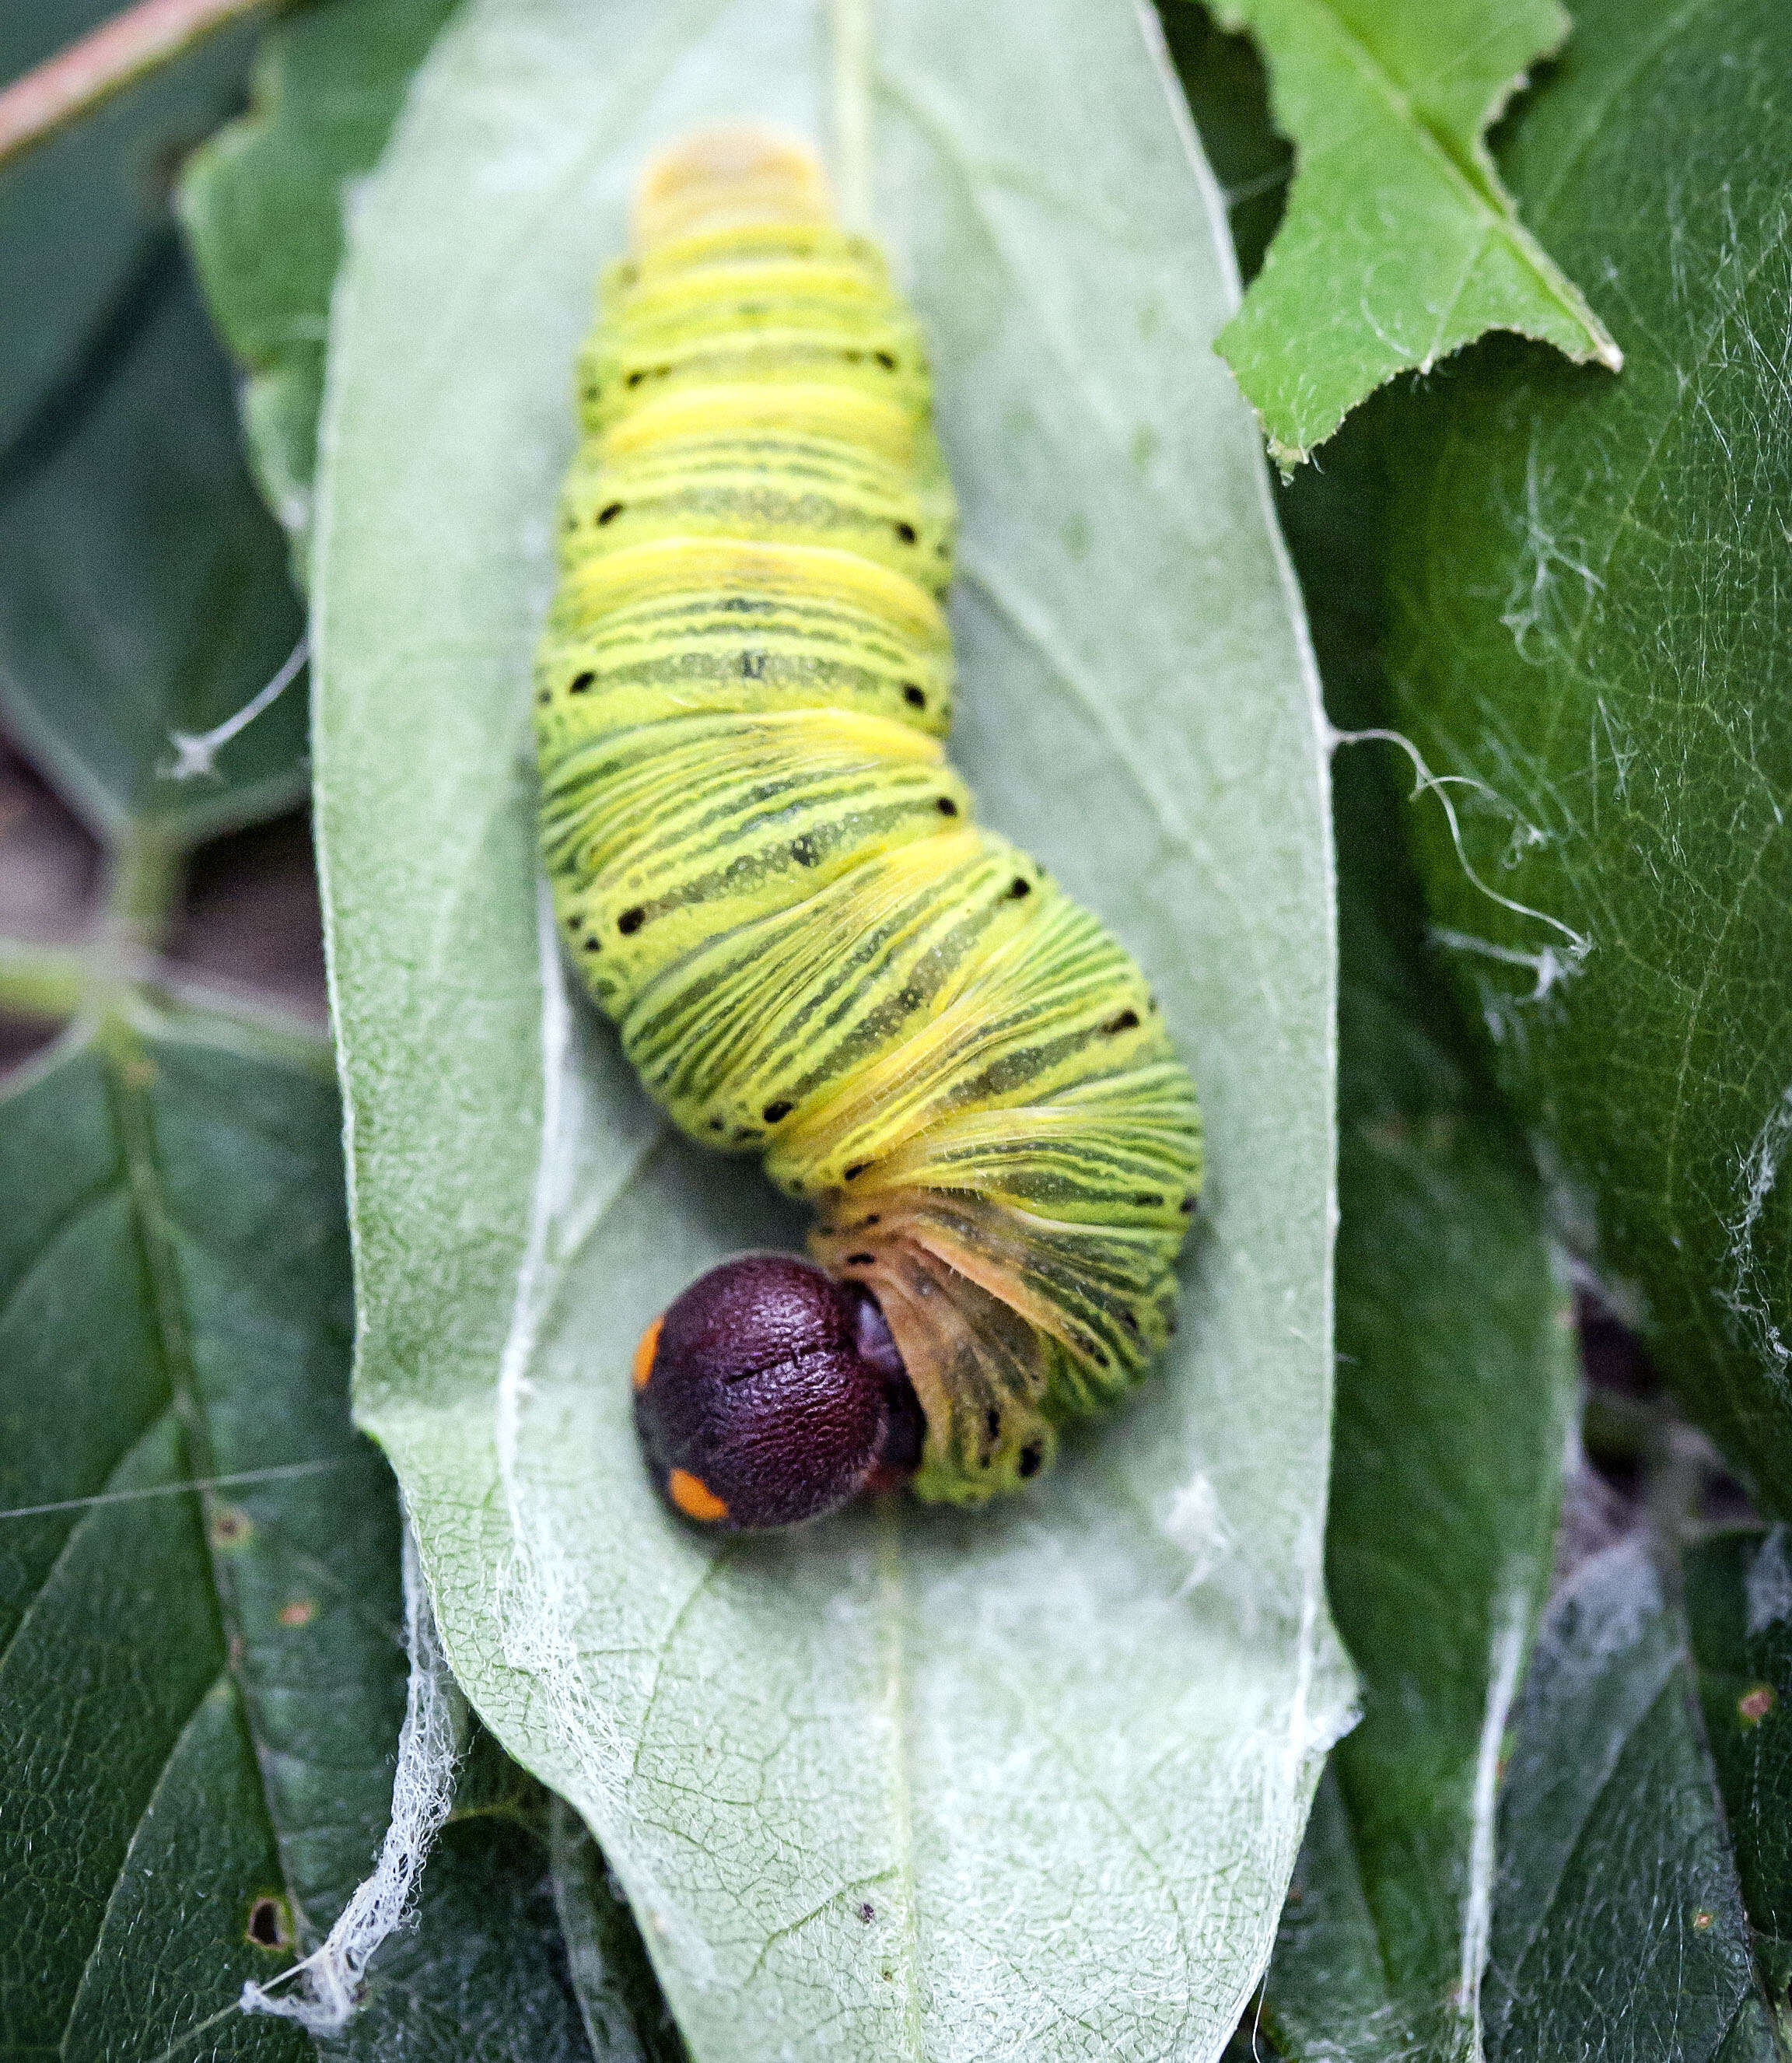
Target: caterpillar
[(769, 877)]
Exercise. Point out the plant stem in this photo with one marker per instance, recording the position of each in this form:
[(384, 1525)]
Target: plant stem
[(46, 982), (141, 896), (114, 55)]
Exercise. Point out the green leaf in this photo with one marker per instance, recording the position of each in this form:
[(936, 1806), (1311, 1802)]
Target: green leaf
[(1739, 1611), (1399, 245), (625, 2011), (1591, 639), (910, 1780), (1456, 1388), (1455, 1379), (84, 213), (1620, 1930), (143, 588), (263, 202), (200, 1688)]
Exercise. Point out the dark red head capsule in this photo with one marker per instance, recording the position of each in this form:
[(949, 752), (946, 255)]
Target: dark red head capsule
[(768, 1394)]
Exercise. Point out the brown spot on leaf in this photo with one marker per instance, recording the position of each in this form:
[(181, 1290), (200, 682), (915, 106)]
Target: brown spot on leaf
[(267, 1925), (231, 1526)]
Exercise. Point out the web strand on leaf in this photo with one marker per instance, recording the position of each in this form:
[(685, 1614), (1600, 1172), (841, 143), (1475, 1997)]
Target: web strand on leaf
[(196, 752), (429, 1748)]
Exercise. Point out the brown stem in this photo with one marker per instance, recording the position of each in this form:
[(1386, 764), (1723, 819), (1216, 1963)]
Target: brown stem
[(114, 55)]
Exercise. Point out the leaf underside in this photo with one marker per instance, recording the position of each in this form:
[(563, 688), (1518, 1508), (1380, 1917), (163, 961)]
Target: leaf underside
[(1053, 1759)]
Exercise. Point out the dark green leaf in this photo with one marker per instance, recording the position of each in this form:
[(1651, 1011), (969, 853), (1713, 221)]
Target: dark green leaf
[(1329, 1994), (200, 1689), (142, 587), (83, 215), (1739, 1610), (262, 206), (1592, 627), (1455, 1384), (1619, 1933), (624, 2013), (1455, 1378)]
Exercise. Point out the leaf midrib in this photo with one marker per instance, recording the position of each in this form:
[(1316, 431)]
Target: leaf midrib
[(122, 1053), (1475, 178), (1383, 78)]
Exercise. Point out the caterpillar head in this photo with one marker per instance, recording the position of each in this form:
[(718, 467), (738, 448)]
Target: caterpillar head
[(769, 1393)]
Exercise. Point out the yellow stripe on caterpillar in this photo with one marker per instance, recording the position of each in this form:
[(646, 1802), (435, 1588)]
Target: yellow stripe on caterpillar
[(744, 567), (801, 409)]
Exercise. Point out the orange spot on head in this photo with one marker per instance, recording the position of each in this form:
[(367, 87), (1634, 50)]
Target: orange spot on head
[(645, 1352), (694, 1497)]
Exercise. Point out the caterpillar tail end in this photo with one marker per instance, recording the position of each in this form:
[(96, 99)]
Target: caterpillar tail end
[(723, 178), (769, 1394)]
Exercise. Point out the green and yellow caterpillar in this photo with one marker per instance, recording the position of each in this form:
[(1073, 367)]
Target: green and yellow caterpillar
[(769, 876)]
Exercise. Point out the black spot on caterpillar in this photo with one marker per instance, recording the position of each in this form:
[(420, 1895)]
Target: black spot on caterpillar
[(744, 681)]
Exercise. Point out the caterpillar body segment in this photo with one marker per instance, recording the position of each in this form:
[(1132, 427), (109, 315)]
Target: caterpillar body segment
[(772, 878)]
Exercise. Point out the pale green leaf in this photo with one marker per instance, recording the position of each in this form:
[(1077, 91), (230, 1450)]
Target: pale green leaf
[(909, 1783), (1400, 244)]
